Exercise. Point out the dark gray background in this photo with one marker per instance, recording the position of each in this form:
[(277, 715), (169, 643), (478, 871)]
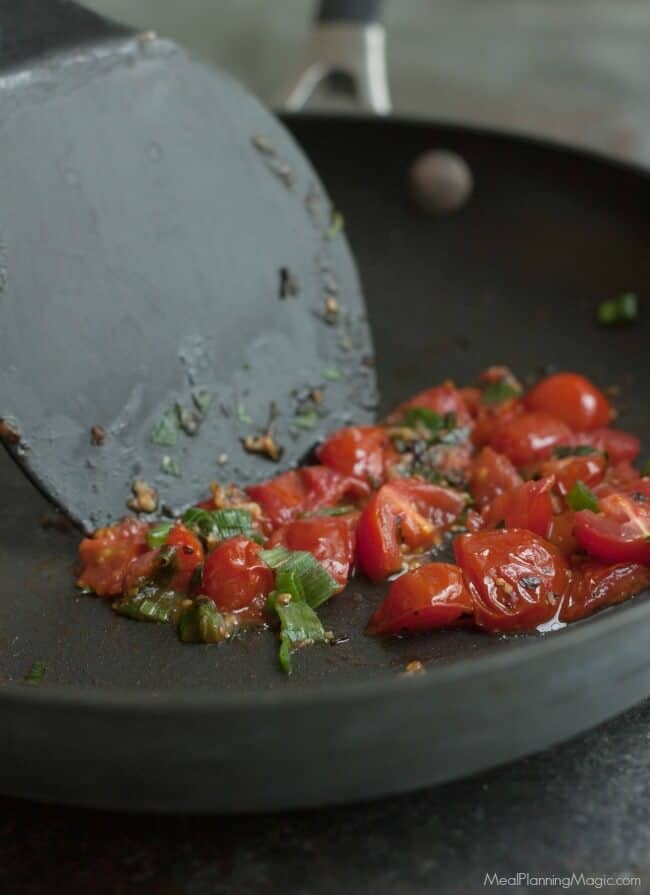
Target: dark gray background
[(574, 69)]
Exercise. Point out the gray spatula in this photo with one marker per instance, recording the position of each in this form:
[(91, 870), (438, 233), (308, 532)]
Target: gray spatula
[(174, 278)]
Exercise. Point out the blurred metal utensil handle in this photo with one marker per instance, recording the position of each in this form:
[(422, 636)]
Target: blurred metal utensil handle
[(347, 45)]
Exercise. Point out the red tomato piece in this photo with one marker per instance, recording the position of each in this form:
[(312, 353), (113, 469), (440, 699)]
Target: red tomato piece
[(408, 511), (491, 417), (430, 597), (619, 446), (530, 438), (561, 534), (572, 398), (304, 490), (492, 474), (621, 531), (471, 399), (356, 451), (330, 540), (236, 578), (618, 477), (594, 586), (589, 470), (106, 556), (281, 498), (526, 506), (516, 579), (442, 399), (189, 555)]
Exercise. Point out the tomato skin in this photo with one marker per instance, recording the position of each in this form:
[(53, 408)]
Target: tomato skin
[(497, 566), (530, 438), (432, 596), (330, 540), (572, 398), (618, 445), (297, 491), (594, 586), (620, 533), (492, 474), (589, 470), (527, 506), (356, 451), (105, 557), (408, 511), (189, 555), (442, 399), (236, 579)]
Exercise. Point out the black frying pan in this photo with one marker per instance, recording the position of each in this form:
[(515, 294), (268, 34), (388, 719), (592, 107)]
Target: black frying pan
[(128, 718)]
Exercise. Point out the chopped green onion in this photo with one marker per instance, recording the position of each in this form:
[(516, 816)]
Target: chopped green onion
[(317, 584), (170, 466), (36, 673), (499, 391), (217, 525), (332, 374), (343, 510), (580, 450), (622, 309), (151, 604), (299, 624), (157, 535), (422, 416), (165, 432), (582, 498), (203, 623)]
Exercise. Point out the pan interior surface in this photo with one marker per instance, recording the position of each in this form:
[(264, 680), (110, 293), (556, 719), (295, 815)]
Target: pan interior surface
[(514, 277)]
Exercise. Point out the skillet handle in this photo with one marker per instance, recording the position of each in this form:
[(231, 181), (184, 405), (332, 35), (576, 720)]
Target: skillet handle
[(346, 54)]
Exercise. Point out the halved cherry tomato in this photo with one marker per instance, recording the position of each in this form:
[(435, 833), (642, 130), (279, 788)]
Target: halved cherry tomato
[(442, 399), (106, 556), (530, 438), (516, 579), (618, 477), (236, 578), (303, 490), (561, 534), (572, 398), (589, 469), (330, 540), (490, 417), (492, 474), (526, 506), (594, 586), (430, 597), (621, 531), (188, 554), (619, 446), (356, 451), (408, 511)]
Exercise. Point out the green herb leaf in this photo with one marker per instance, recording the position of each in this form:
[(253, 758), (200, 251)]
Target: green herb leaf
[(243, 416), (203, 623), (580, 450), (214, 526), (622, 309), (165, 432), (299, 625), (332, 374), (336, 224), (306, 420), (151, 604), (202, 399), (499, 391), (36, 673), (317, 584), (170, 466), (343, 510), (580, 497), (157, 535), (422, 416)]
